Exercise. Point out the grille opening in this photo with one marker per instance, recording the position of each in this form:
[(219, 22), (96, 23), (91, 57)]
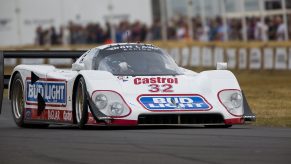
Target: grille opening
[(180, 119)]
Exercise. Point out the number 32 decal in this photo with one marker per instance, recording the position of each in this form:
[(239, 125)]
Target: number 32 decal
[(160, 88)]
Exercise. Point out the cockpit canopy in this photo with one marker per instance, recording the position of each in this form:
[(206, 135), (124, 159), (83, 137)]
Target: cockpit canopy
[(134, 60)]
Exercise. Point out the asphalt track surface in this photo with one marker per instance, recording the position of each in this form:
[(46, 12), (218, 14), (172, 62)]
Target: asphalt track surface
[(148, 145)]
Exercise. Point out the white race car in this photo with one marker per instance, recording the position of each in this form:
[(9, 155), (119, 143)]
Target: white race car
[(125, 84)]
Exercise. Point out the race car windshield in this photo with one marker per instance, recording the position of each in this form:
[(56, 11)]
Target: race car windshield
[(139, 63)]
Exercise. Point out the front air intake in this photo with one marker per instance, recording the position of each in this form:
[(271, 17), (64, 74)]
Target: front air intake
[(180, 119)]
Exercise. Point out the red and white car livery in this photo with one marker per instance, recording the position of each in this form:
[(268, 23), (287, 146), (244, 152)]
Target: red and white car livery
[(125, 84)]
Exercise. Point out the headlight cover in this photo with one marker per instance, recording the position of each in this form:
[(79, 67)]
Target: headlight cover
[(116, 109), (101, 101), (232, 100), (110, 103)]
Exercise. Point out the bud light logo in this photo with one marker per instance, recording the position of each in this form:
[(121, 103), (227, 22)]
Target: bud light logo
[(169, 103), (52, 92)]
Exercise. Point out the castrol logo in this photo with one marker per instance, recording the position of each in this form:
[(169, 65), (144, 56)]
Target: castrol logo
[(155, 80)]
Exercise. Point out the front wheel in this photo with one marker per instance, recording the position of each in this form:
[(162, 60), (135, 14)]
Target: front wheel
[(81, 103)]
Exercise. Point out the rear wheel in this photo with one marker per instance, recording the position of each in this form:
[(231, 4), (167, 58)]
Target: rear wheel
[(17, 103), (81, 103)]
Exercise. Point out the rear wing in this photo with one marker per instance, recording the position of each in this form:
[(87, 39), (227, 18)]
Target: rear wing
[(4, 79)]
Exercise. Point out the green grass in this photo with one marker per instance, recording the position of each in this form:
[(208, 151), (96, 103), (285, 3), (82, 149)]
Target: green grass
[(269, 96)]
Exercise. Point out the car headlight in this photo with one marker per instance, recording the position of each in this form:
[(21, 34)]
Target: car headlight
[(101, 101), (236, 100), (111, 103), (116, 109), (232, 100)]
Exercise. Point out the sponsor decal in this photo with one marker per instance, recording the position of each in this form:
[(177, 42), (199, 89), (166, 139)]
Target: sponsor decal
[(169, 103), (53, 115), (67, 116), (28, 114), (123, 78), (49, 115), (155, 80), (160, 88), (53, 92), (132, 48)]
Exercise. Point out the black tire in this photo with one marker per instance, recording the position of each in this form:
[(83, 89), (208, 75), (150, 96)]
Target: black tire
[(217, 126), (80, 103), (17, 104), (17, 100)]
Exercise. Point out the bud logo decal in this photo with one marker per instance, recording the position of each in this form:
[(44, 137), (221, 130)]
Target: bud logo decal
[(53, 92), (172, 103)]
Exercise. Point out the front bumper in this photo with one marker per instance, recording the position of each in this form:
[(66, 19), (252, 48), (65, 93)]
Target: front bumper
[(152, 118), (171, 119)]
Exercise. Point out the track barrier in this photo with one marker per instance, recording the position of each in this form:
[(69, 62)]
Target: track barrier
[(238, 55)]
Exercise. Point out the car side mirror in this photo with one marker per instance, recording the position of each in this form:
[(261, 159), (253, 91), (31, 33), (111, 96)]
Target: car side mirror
[(221, 66)]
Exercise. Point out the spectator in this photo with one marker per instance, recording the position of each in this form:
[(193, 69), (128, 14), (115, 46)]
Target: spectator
[(156, 30), (136, 31), (281, 29), (171, 30), (201, 32), (221, 29), (181, 32), (261, 30), (107, 34), (143, 33), (39, 40), (214, 30), (272, 30), (235, 29), (65, 37), (54, 36), (251, 24)]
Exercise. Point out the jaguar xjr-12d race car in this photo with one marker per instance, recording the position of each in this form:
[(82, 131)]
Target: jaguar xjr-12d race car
[(121, 84)]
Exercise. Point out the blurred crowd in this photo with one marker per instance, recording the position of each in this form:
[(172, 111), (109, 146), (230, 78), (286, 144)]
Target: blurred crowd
[(269, 29), (266, 29)]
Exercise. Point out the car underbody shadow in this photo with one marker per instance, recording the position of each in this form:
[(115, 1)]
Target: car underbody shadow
[(140, 127)]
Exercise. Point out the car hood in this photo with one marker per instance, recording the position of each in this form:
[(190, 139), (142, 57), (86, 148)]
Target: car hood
[(179, 84), (165, 92), (207, 84)]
